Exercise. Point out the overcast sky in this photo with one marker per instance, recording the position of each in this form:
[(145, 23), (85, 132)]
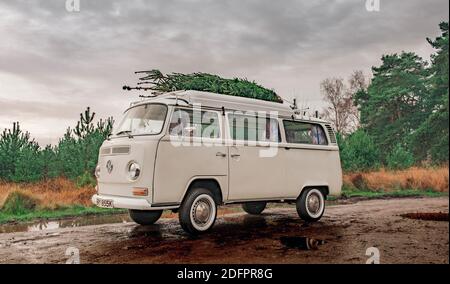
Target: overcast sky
[(54, 63)]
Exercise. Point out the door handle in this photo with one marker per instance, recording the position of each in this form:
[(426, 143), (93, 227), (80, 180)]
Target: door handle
[(235, 155), (220, 154)]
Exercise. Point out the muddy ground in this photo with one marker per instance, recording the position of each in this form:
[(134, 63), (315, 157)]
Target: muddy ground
[(342, 236)]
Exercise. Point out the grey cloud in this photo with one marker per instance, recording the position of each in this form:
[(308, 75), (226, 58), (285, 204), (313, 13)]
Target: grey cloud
[(34, 109), (83, 58)]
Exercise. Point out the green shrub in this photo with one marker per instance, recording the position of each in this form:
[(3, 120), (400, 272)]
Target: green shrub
[(28, 165), (359, 153), (19, 203), (78, 149), (16, 147), (86, 179), (22, 160), (399, 158)]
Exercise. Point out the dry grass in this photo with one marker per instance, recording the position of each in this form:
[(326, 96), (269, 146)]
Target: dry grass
[(61, 192), (435, 179), (51, 194)]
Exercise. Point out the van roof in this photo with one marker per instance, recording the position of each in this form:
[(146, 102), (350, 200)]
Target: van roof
[(229, 102)]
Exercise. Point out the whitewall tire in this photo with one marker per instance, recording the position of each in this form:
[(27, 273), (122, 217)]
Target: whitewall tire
[(311, 205), (198, 211)]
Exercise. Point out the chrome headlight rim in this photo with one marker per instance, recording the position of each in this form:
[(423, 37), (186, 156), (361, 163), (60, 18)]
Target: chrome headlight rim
[(97, 171), (133, 170)]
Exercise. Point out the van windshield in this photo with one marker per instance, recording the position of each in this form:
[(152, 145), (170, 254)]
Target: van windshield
[(142, 119)]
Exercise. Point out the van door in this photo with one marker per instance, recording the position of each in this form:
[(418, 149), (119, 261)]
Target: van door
[(255, 164), (193, 149)]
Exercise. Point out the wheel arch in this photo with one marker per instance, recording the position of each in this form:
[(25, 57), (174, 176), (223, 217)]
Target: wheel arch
[(325, 189), (209, 183)]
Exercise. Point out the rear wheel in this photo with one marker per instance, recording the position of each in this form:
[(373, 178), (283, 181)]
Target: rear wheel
[(311, 205), (145, 217), (254, 208), (198, 211)]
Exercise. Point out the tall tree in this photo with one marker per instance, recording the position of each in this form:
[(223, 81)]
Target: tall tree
[(341, 109), (432, 136), (14, 145), (393, 105), (78, 150)]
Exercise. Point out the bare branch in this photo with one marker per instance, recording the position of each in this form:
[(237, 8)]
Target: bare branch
[(340, 98)]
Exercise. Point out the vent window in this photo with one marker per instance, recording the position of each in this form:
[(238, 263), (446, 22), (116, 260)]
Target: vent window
[(331, 133)]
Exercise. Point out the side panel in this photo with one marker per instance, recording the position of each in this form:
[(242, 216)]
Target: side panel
[(312, 167)]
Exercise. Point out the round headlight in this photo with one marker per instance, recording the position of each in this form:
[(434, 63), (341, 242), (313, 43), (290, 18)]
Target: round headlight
[(134, 170), (97, 171)]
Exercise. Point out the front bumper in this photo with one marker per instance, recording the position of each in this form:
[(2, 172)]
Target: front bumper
[(124, 202), (129, 202)]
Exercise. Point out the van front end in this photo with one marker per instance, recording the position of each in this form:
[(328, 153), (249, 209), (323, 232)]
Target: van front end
[(126, 160), (124, 174)]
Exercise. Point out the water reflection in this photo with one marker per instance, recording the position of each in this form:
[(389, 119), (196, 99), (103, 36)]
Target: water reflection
[(150, 231), (302, 243), (254, 221), (442, 217), (43, 225)]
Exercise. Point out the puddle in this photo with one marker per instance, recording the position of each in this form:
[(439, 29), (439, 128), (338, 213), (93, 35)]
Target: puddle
[(443, 217), (302, 243), (150, 231), (44, 225)]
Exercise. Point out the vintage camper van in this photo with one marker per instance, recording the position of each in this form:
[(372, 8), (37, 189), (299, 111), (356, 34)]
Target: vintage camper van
[(191, 151)]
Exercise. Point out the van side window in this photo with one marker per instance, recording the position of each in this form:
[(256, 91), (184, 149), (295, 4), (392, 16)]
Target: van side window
[(304, 133), (251, 128), (186, 122)]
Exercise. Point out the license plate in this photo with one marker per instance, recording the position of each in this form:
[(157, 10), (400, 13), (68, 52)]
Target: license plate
[(105, 203)]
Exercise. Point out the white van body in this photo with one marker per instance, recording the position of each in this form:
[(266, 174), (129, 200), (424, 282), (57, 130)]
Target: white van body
[(234, 170)]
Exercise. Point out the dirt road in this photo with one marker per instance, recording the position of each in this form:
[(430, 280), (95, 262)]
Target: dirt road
[(343, 236)]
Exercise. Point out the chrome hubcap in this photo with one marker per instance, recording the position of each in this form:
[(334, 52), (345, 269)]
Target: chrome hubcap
[(313, 203), (201, 211)]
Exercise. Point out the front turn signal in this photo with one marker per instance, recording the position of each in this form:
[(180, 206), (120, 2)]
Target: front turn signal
[(140, 191)]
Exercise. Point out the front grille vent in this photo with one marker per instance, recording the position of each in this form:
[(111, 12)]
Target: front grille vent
[(122, 150), (105, 151), (119, 150)]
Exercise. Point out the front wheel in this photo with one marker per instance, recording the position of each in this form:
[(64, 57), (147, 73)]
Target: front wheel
[(143, 217), (311, 205), (198, 211)]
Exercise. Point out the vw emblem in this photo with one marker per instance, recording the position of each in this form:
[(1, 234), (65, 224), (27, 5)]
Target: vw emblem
[(109, 166)]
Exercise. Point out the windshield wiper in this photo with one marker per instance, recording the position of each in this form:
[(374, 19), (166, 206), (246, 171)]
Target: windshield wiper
[(127, 132)]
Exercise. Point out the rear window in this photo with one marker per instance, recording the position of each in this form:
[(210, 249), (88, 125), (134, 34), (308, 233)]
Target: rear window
[(304, 133)]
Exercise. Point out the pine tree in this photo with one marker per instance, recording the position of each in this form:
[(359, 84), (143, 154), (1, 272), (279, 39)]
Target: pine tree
[(14, 145), (394, 104), (431, 139)]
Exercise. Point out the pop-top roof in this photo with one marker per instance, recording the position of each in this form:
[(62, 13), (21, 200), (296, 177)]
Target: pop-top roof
[(207, 99)]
